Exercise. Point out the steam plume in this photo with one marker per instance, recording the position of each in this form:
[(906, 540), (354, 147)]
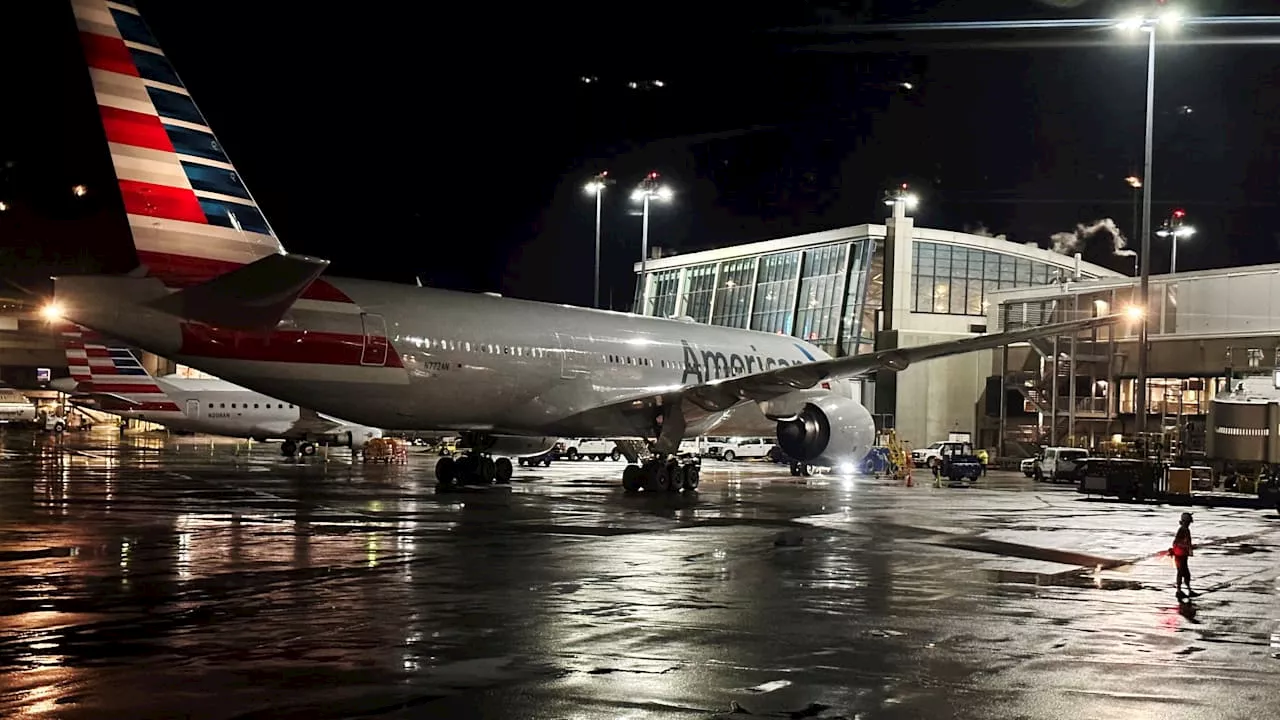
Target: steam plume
[(1069, 243)]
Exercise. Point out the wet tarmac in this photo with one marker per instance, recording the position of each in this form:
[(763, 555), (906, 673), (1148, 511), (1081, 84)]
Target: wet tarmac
[(188, 578)]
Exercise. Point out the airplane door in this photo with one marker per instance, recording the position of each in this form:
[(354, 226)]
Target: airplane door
[(193, 409), (375, 340), (573, 361)]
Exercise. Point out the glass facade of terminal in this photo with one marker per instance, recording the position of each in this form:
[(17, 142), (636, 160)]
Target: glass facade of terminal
[(828, 295), (954, 280), (831, 294)]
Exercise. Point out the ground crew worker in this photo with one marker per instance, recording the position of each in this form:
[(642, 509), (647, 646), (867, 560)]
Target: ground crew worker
[(1181, 551)]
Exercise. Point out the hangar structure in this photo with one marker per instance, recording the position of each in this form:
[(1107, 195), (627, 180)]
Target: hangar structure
[(868, 287)]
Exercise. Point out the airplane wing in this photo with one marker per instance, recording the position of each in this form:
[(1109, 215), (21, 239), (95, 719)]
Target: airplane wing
[(762, 387), (311, 422)]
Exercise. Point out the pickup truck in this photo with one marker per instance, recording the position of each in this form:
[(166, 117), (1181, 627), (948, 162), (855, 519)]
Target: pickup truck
[(736, 448), (590, 448)]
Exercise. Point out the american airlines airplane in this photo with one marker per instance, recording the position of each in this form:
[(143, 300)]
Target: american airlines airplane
[(216, 290), (113, 378)]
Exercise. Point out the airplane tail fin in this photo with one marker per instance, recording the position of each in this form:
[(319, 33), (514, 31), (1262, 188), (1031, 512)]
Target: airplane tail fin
[(190, 214), (113, 374), (74, 339)]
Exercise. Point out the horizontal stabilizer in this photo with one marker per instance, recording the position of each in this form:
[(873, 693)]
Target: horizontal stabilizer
[(252, 297)]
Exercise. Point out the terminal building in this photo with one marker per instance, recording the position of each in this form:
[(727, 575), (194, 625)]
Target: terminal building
[(871, 287), (1209, 332)]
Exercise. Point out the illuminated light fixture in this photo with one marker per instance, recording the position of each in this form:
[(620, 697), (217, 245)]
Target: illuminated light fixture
[(1134, 181), (598, 183), (51, 312), (3, 206), (1132, 23), (902, 195), (1134, 312), (79, 190)]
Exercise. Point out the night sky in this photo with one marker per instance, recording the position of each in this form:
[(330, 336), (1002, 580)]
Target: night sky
[(451, 143)]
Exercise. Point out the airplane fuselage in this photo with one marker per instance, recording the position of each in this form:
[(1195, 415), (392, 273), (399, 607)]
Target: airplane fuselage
[(217, 408), (416, 358)]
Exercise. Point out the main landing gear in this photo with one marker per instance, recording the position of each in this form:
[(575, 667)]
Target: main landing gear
[(475, 467), (669, 474), (290, 448), (799, 469)]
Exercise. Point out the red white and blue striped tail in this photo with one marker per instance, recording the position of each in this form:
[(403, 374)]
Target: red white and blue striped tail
[(73, 342), (112, 372), (191, 217)]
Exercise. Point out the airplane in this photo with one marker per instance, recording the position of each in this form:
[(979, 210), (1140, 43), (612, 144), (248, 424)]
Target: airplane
[(114, 380), (15, 406), (216, 290)]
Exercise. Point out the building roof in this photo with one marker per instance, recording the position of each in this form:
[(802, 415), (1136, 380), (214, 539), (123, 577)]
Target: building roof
[(862, 232)]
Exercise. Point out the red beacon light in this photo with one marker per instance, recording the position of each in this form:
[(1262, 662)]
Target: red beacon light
[(1179, 214)]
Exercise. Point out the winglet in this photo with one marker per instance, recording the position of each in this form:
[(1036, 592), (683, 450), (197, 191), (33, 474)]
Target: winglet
[(251, 297)]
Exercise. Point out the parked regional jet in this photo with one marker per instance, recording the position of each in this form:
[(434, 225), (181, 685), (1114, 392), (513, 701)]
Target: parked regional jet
[(216, 290), (114, 379)]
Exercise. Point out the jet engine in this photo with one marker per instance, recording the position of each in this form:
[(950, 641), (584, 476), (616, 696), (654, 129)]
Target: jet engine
[(829, 430), (357, 438)]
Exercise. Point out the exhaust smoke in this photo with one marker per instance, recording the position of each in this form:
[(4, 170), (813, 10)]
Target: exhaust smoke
[(1101, 235)]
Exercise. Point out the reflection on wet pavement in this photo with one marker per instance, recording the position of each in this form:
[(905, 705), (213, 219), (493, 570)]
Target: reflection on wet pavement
[(154, 578)]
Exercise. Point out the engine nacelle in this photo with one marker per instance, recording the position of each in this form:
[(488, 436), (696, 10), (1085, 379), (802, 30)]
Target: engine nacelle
[(829, 430), (358, 438)]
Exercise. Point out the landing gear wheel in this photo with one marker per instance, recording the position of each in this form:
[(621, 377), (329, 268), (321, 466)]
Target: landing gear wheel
[(632, 478), (662, 477), (308, 449), (288, 448), (799, 469), (522, 462), (464, 469), (692, 476), (572, 454), (675, 475), (616, 455), (446, 473), (795, 469), (502, 471), (487, 470), (546, 461)]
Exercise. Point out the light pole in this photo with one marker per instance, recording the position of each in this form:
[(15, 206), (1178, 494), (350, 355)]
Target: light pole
[(650, 188), (1149, 24), (1135, 182), (1174, 228), (596, 187)]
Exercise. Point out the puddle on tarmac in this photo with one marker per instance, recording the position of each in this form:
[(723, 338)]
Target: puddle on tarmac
[(1076, 578)]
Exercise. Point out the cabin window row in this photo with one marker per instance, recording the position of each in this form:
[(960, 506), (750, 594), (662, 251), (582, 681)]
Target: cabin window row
[(267, 406), (627, 360), (487, 348)]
